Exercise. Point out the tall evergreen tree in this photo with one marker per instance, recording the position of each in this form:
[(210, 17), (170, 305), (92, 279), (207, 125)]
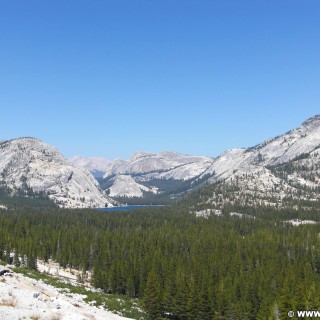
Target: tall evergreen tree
[(152, 299)]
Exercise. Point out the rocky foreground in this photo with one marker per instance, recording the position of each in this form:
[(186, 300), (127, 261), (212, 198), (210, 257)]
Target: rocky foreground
[(25, 298)]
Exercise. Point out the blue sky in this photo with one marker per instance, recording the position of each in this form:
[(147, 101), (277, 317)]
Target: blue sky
[(111, 77)]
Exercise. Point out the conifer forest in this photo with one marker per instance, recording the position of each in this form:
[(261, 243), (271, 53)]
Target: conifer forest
[(180, 266)]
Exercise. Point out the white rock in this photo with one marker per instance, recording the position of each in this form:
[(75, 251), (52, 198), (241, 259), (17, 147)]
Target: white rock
[(21, 304), (298, 222), (31, 163), (125, 186)]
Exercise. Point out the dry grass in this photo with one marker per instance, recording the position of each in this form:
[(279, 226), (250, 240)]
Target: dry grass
[(10, 302), (55, 317), (89, 316)]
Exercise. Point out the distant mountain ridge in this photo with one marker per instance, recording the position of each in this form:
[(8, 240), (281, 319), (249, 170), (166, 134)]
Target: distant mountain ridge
[(276, 172), (256, 171), (96, 165)]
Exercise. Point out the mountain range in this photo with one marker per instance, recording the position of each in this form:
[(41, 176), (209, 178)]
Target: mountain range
[(279, 170)]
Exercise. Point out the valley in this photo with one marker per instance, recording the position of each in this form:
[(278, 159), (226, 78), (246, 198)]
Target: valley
[(159, 160), (232, 237)]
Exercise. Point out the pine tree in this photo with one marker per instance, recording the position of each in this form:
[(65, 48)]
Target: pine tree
[(16, 260), (152, 299), (194, 301)]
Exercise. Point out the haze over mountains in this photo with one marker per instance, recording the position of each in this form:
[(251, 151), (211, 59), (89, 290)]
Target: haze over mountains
[(96, 165), (284, 167)]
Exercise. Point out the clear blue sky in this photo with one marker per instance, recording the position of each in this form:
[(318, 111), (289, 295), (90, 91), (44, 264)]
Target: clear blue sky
[(111, 77)]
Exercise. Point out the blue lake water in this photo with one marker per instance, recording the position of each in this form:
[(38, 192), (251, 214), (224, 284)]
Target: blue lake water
[(129, 208)]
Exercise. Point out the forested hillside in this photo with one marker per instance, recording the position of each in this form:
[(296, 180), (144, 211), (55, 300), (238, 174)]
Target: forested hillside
[(180, 266)]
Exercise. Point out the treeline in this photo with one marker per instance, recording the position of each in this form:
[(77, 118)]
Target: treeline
[(24, 198), (182, 267)]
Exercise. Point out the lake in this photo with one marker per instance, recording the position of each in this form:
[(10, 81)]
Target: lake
[(129, 208)]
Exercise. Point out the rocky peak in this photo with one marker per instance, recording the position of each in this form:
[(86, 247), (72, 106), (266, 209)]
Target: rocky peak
[(29, 163)]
